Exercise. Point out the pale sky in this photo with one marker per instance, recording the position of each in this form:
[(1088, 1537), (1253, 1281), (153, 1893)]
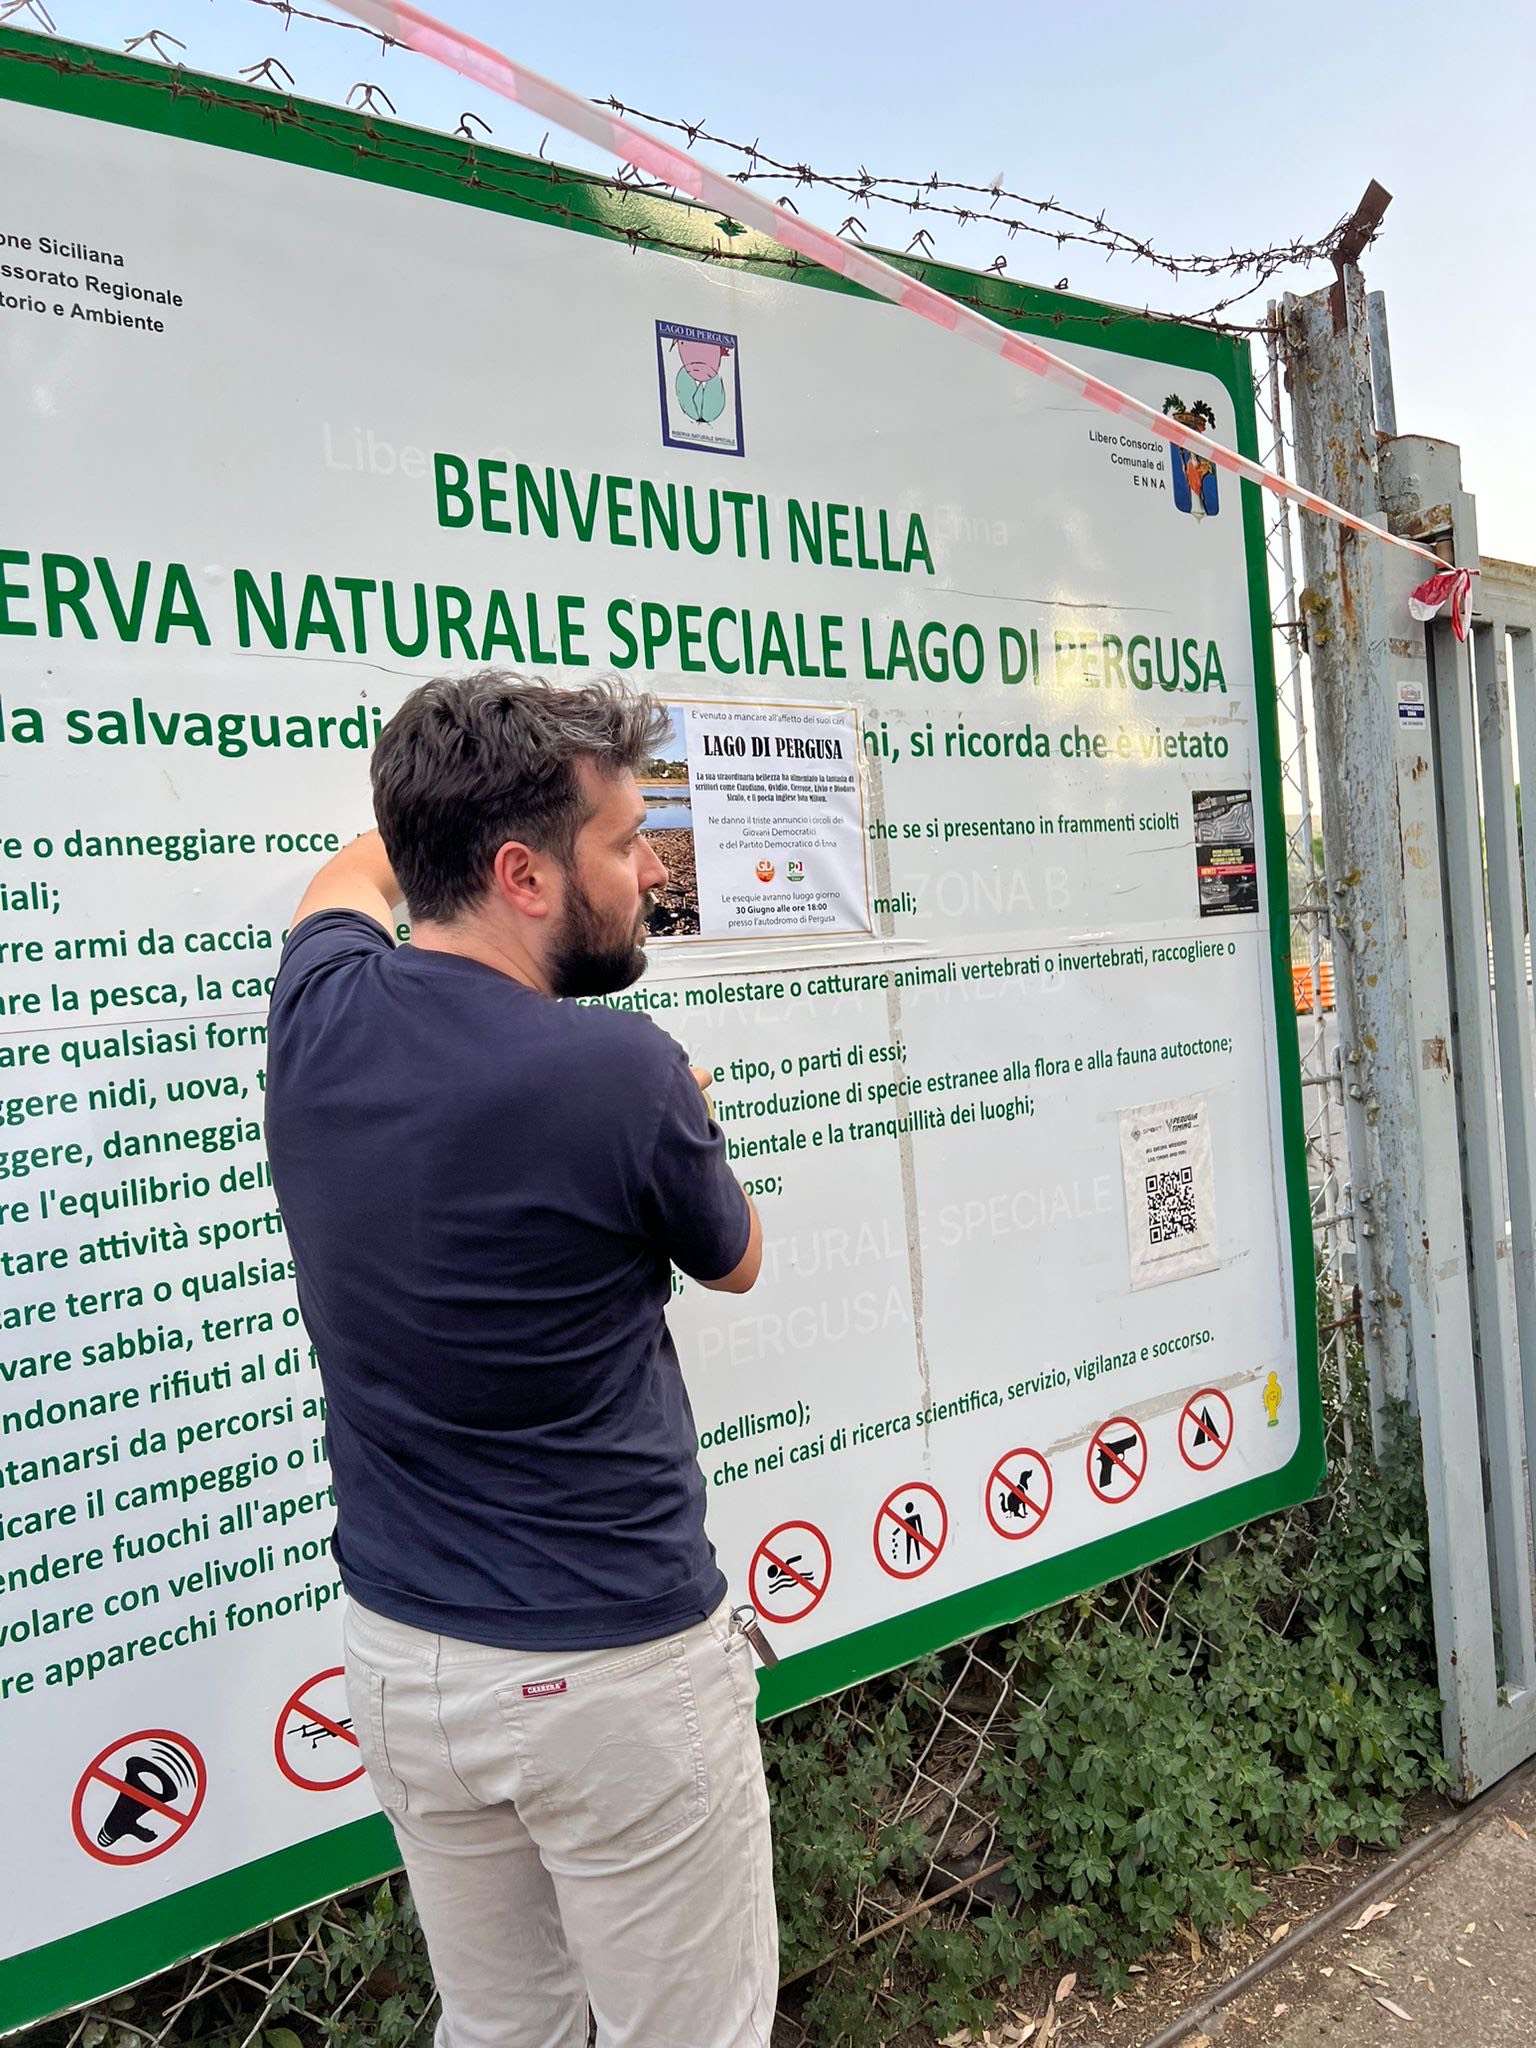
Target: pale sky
[(1202, 127)]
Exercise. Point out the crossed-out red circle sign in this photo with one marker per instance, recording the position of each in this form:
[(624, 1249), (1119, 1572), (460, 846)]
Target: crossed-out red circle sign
[(1117, 1459), (910, 1531), (139, 1796), (1019, 1491), (314, 1741), (790, 1572), (1205, 1429)]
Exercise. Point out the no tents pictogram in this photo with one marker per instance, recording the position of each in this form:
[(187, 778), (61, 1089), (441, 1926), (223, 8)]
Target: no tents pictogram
[(910, 1531), (1117, 1459), (139, 1796), (314, 1741), (1019, 1491), (1205, 1429), (790, 1572)]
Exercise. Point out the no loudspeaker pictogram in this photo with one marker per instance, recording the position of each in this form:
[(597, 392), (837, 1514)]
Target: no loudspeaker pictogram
[(138, 1797), (790, 1572), (314, 1742), (910, 1530), (1019, 1494), (1205, 1429), (1117, 1459)]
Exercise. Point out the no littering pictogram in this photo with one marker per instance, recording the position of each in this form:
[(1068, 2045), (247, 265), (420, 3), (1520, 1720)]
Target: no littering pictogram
[(910, 1530), (314, 1742), (1205, 1429), (790, 1572), (1117, 1459), (138, 1797), (1019, 1493)]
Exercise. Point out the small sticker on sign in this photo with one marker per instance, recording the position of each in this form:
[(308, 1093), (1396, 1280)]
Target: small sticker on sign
[(1226, 859), (1411, 707), (1170, 1196)]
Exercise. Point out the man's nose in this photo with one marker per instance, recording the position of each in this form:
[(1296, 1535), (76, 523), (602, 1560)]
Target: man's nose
[(654, 871)]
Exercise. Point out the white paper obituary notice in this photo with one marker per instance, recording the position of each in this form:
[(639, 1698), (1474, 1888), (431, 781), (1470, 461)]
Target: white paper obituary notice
[(758, 812)]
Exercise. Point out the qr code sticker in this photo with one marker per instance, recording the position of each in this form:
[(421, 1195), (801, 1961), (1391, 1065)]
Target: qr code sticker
[(1171, 1206)]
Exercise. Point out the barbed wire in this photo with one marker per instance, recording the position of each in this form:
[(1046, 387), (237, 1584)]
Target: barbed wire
[(963, 203), (537, 185)]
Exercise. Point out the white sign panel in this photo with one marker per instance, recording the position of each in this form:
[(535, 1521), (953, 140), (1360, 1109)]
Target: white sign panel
[(972, 829)]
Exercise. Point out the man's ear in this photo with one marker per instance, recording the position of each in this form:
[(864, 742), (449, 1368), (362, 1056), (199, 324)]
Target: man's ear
[(521, 876)]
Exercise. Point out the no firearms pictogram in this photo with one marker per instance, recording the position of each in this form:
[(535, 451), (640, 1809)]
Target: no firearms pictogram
[(138, 1797), (1019, 1491), (1205, 1429), (1117, 1459), (790, 1572), (314, 1741)]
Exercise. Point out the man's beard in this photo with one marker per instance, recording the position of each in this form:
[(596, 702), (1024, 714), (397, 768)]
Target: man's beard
[(591, 957)]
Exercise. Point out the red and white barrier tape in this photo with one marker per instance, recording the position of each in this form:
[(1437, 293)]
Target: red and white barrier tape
[(695, 180)]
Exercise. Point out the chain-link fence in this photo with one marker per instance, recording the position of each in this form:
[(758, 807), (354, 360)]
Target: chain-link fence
[(986, 1811)]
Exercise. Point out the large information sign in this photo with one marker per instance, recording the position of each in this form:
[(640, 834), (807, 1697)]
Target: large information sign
[(976, 906)]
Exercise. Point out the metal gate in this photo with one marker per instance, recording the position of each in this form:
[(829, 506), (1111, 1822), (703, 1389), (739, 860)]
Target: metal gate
[(1423, 742)]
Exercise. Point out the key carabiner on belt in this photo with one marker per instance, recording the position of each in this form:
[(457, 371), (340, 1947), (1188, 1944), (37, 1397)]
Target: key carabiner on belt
[(745, 1619)]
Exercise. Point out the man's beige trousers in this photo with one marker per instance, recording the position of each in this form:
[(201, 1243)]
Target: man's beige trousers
[(577, 1826)]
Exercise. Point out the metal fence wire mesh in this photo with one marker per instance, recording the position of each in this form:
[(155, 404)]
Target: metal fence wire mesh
[(897, 1781)]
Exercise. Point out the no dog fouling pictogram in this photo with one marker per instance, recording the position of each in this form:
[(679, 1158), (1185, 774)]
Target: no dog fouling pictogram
[(1019, 1490)]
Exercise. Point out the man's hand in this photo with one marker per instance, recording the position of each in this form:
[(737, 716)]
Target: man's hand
[(358, 878)]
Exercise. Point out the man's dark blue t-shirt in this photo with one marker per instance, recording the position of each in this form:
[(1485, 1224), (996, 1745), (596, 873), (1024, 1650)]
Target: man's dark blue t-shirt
[(485, 1191)]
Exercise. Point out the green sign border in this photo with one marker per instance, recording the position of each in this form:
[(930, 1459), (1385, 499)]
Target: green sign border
[(100, 85)]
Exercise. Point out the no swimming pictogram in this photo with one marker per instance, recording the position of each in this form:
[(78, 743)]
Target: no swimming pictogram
[(138, 1797), (1019, 1490), (1205, 1429), (910, 1531), (314, 1741), (790, 1572), (1117, 1459)]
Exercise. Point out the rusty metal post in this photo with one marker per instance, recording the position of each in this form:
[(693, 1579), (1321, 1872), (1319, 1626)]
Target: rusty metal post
[(1355, 608)]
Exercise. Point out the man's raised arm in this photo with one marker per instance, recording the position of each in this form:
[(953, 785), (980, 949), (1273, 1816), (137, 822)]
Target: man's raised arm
[(358, 878)]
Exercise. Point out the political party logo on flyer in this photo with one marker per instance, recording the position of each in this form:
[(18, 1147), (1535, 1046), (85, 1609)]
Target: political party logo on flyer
[(794, 871), (764, 871), (314, 1742), (699, 370), (1194, 476), (138, 1797)]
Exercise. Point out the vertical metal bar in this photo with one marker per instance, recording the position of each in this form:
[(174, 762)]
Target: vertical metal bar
[(1381, 363), (1328, 1203), (1441, 1305), (1522, 696), (1482, 1150)]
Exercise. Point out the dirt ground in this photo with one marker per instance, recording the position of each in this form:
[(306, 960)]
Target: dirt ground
[(1447, 1957)]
